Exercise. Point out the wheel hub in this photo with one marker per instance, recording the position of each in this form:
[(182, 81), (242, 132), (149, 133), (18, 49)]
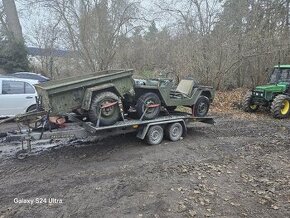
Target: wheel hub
[(175, 131), (202, 108), (149, 110), (107, 111), (155, 135), (285, 107)]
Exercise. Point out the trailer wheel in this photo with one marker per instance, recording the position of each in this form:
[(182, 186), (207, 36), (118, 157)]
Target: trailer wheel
[(21, 155), (146, 100), (174, 132), (108, 115), (155, 135)]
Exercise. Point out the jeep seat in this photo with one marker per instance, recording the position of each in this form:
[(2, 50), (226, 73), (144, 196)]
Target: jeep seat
[(184, 89)]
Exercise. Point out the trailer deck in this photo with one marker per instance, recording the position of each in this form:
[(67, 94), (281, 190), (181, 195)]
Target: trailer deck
[(172, 126)]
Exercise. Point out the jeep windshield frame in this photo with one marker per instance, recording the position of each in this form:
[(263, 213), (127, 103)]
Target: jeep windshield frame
[(280, 75)]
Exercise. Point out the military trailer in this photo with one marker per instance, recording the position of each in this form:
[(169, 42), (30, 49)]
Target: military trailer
[(275, 96), (87, 94)]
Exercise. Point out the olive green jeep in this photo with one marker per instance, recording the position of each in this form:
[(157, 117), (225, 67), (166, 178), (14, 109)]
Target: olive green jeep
[(161, 94)]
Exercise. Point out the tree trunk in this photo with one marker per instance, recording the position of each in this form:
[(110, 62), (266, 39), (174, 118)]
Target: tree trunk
[(12, 19)]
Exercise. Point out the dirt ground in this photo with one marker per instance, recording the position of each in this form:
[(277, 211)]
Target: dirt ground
[(239, 167)]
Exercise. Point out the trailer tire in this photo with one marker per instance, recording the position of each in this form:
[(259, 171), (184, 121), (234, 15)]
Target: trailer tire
[(147, 99), (22, 154), (174, 131), (155, 135), (201, 106), (108, 116)]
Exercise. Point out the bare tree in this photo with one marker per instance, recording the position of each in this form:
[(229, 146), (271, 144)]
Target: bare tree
[(12, 19), (93, 27)]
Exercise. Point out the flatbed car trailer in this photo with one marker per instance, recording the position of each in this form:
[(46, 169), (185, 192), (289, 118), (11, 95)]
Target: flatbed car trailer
[(173, 127)]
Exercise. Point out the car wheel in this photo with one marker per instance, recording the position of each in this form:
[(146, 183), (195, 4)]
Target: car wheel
[(201, 106), (146, 100), (32, 108)]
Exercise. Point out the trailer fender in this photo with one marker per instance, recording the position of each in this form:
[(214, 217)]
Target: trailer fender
[(89, 93), (143, 130)]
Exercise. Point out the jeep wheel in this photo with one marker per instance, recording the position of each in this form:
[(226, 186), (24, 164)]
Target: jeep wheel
[(146, 100), (109, 115), (201, 107), (280, 107), (248, 106)]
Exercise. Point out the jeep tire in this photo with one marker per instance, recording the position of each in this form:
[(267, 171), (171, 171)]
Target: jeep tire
[(146, 100), (201, 106)]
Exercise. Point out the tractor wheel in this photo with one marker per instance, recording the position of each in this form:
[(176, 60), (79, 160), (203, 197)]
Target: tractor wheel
[(146, 100), (174, 131), (201, 107), (248, 106), (109, 115), (154, 135), (280, 107)]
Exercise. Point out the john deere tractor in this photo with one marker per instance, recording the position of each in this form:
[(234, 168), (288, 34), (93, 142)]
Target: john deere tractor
[(275, 95)]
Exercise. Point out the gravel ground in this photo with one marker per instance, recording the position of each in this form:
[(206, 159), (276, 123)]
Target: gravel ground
[(238, 168)]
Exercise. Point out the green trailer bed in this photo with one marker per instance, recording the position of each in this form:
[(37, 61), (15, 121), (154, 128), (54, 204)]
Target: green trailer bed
[(63, 96)]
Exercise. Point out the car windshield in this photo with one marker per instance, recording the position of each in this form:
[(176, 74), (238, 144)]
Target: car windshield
[(280, 75)]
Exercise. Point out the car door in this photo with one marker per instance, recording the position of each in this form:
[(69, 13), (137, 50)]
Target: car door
[(16, 97)]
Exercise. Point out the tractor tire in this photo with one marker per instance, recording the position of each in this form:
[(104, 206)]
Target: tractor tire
[(248, 106), (147, 99), (108, 116), (280, 107), (201, 106)]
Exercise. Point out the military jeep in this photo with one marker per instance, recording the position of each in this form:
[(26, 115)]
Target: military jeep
[(275, 96), (163, 92)]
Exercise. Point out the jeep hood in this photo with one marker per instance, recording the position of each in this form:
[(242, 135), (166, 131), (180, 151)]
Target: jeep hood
[(280, 87)]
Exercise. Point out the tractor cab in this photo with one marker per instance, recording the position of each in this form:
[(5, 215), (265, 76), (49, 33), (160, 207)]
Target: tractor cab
[(280, 75)]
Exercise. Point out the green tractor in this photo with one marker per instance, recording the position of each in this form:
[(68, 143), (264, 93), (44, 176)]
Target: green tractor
[(275, 95)]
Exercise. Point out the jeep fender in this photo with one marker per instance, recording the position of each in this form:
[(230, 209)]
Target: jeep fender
[(89, 93), (203, 91)]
